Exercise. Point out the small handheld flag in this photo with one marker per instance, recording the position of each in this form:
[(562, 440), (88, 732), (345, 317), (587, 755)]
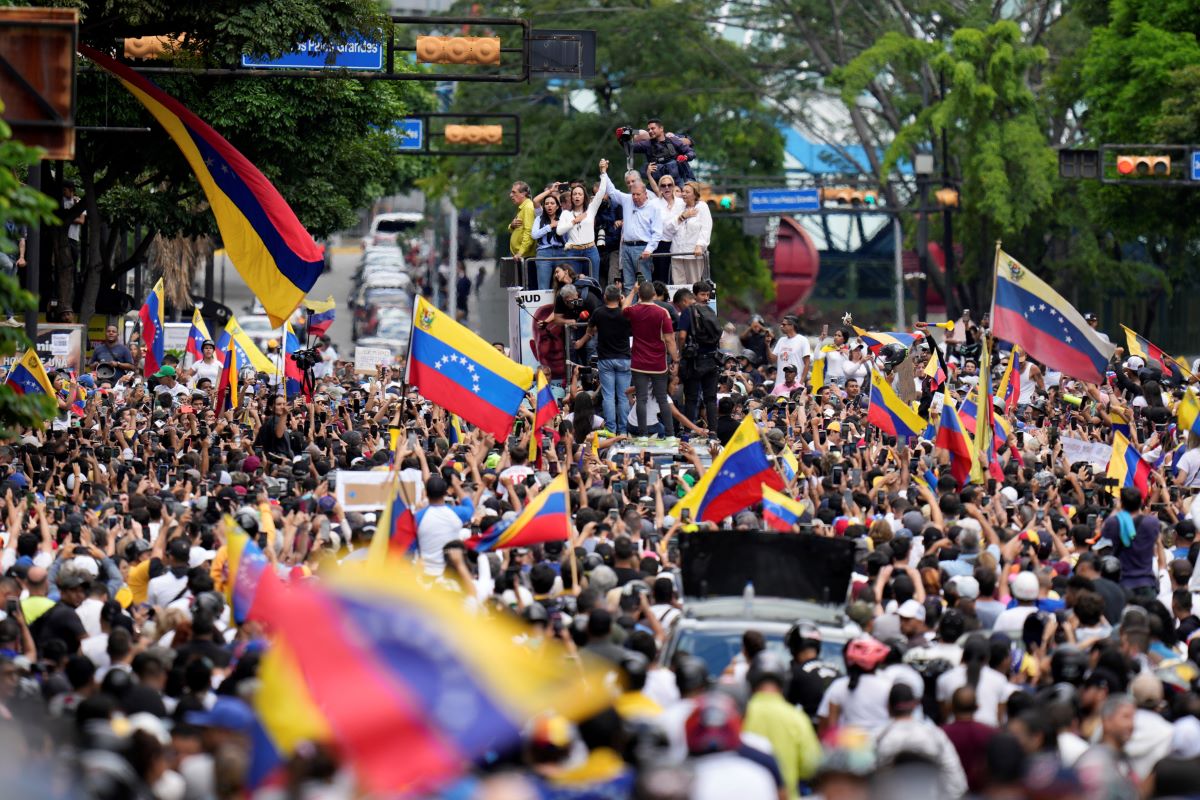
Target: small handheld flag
[(396, 532), (735, 478), (197, 335), (876, 340), (28, 376), (891, 414), (1127, 467), (546, 519), (321, 314), (544, 411), (153, 337), (951, 438), (781, 512)]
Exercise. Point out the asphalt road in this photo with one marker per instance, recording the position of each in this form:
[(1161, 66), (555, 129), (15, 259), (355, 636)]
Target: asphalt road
[(487, 314)]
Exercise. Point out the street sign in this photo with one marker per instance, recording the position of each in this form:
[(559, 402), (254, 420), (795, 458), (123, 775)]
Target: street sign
[(783, 201), (409, 133), (357, 54), (1196, 165)]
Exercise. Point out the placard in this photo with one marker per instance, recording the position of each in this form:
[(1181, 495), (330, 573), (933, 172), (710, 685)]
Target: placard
[(368, 360), (362, 491)]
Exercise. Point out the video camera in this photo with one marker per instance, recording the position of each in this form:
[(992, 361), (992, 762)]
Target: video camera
[(624, 134), (307, 358)]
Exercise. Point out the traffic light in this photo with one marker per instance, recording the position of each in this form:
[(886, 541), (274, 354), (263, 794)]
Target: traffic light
[(726, 202), (458, 50), (149, 47), (844, 195), (1142, 166), (474, 134), (947, 198)]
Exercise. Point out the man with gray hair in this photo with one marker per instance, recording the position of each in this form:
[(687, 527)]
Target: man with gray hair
[(641, 228), (1104, 769)]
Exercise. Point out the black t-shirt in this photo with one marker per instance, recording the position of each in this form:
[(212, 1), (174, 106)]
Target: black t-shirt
[(685, 324), (626, 574), (270, 443), (588, 302), (726, 425), (206, 648), (60, 622), (670, 309), (1114, 599), (612, 332), (807, 685)]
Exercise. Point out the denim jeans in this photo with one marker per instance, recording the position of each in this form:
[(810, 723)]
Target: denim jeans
[(545, 269), (592, 255), (614, 381), (644, 383), (631, 262)]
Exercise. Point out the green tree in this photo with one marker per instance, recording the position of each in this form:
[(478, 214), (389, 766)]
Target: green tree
[(654, 59), (323, 143), (996, 132), (21, 208)]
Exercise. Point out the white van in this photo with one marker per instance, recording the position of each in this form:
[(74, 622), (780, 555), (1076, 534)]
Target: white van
[(386, 229)]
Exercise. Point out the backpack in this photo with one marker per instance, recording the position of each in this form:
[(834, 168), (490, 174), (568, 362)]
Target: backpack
[(585, 284), (705, 330)]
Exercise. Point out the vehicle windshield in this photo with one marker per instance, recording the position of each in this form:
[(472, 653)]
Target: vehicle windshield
[(718, 647)]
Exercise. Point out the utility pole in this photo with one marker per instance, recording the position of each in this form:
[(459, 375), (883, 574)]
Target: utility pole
[(923, 167), (948, 235)]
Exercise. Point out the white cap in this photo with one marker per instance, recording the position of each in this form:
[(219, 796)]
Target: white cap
[(1009, 493), (1134, 362), (198, 555), (87, 564), (911, 609), (966, 586), (1025, 586)]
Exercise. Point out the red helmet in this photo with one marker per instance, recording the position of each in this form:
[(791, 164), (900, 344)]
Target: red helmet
[(866, 653), (714, 726)]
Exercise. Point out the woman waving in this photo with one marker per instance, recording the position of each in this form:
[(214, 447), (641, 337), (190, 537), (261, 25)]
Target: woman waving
[(577, 227)]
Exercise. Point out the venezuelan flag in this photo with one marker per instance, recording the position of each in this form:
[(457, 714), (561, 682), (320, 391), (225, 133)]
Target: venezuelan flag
[(250, 572), (1188, 413), (985, 413), (790, 466), (1010, 382), (1030, 314), (406, 683), (1139, 345), (1128, 467), (454, 433), (248, 351), (28, 376), (227, 384), (293, 376), (951, 438), (891, 414), (273, 252), (396, 532), (935, 369), (735, 478), (545, 409), (321, 314), (547, 518), (455, 368), (197, 335), (875, 340), (1118, 422), (1000, 426), (781, 512), (153, 337)]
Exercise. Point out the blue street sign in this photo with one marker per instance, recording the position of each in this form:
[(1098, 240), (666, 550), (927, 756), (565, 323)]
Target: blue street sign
[(783, 201), (356, 54), (409, 133), (1196, 165)]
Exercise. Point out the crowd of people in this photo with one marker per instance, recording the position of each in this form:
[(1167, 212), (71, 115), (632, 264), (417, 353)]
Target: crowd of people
[(659, 229), (1030, 635)]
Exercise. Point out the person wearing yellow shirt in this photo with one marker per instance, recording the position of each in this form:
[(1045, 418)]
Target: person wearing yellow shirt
[(520, 241), (790, 731)]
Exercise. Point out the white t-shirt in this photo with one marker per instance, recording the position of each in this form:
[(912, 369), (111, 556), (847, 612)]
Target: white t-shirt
[(1012, 620), (202, 369), (177, 391), (165, 589), (1189, 467), (723, 775), (96, 648), (89, 614), (990, 692), (865, 707), (792, 350), (439, 525)]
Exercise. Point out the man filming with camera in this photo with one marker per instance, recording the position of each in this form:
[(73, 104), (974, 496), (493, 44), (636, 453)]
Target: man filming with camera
[(699, 334), (666, 153)]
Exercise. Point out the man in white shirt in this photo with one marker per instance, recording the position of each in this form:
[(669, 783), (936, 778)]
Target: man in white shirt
[(438, 524), (792, 348), (641, 226), (207, 366), (167, 384), (172, 584)]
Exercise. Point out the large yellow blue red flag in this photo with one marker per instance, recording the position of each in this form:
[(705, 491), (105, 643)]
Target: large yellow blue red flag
[(457, 369), (891, 414), (153, 335), (1127, 467), (735, 478), (876, 340), (274, 253), (952, 439), (1188, 413), (1028, 312), (28, 376), (405, 683), (547, 518)]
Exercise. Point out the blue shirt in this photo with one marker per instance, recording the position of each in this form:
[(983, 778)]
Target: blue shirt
[(642, 224)]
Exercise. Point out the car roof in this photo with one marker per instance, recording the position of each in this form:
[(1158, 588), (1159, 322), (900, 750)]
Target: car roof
[(776, 609)]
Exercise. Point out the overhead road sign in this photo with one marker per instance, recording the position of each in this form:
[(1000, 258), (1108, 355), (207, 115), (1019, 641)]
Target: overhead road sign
[(358, 53), (783, 201), (409, 133)]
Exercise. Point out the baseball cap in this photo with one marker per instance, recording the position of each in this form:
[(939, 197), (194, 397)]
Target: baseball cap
[(166, 371), (135, 548), (1134, 362), (227, 712), (966, 586), (911, 609), (1025, 586), (1147, 690)]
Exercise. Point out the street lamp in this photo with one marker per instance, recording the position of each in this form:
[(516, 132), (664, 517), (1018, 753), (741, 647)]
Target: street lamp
[(923, 167)]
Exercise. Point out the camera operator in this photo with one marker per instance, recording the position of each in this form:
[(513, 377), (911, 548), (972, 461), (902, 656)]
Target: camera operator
[(699, 334), (666, 153), (576, 298)]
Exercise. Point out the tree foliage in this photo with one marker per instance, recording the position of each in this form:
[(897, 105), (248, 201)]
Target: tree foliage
[(692, 78), (323, 143)]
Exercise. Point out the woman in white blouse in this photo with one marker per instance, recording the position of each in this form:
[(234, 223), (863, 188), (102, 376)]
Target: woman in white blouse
[(577, 227), (690, 231)]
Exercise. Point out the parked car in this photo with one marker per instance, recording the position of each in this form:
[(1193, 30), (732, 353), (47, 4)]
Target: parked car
[(712, 629), (388, 229), (258, 327)]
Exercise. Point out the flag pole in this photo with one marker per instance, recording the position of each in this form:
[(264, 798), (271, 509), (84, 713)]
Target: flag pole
[(995, 280)]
